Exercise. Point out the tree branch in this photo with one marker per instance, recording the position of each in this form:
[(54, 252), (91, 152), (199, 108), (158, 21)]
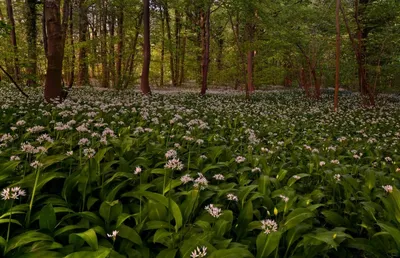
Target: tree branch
[(13, 81)]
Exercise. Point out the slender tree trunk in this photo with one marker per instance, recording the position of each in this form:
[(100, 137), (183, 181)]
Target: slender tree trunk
[(31, 33), (44, 30), (128, 74), (162, 48), (241, 55), (71, 37), (10, 14), (171, 51), (205, 42), (105, 79), (144, 82), (359, 52), (83, 72), (112, 63), (177, 51), (120, 46), (337, 79), (182, 65), (53, 88)]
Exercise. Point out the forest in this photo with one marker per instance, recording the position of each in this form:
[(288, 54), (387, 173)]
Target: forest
[(199, 128)]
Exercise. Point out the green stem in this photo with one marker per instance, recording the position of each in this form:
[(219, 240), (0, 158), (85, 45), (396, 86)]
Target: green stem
[(9, 229), (33, 197)]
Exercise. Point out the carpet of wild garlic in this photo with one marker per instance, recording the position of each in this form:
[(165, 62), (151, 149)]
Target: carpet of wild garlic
[(112, 174)]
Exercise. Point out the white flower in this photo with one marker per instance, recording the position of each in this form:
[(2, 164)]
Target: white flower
[(322, 163), (256, 169), (186, 179), (219, 177), (12, 193), (84, 141), (388, 159), (199, 252), (296, 177), (89, 152), (269, 226), (240, 159), (335, 161), (174, 164), (113, 235), (337, 177), (201, 181), (387, 188), (36, 164), (69, 153), (12, 158), (284, 198), (138, 170), (232, 197), (171, 154), (213, 211)]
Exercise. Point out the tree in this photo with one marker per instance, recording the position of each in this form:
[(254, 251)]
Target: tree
[(144, 82), (31, 34), (83, 72), (11, 20), (55, 41), (337, 80)]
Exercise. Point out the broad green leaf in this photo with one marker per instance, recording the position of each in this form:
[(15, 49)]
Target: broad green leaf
[(168, 253), (26, 238), (267, 243), (231, 253), (394, 232), (101, 253), (90, 238), (47, 218), (110, 210), (296, 217), (130, 234)]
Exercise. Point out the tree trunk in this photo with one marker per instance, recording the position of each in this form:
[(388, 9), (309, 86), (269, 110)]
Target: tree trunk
[(144, 82), (120, 45), (53, 88), (162, 48), (44, 30), (31, 34), (171, 52), (83, 72), (205, 44), (71, 35), (182, 65), (105, 80), (177, 51), (112, 64), (10, 14), (337, 79), (128, 74)]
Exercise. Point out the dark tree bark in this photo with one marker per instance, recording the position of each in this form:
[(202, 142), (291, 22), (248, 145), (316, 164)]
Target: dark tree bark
[(83, 72), (177, 51), (359, 51), (144, 82), (171, 51), (205, 47), (53, 87), (128, 73), (71, 35), (10, 14), (162, 48), (112, 61), (120, 45), (31, 34), (182, 59), (105, 79), (337, 74)]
